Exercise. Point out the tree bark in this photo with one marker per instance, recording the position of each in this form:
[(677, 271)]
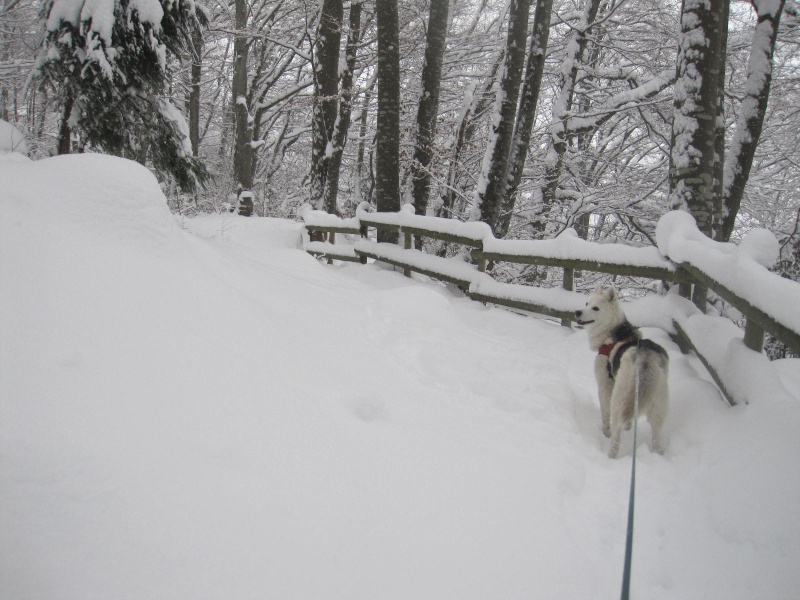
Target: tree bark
[(429, 102), (751, 114), (526, 115), (342, 125), (194, 89), (326, 89), (242, 150), (489, 199), (387, 142), (64, 132), (719, 144)]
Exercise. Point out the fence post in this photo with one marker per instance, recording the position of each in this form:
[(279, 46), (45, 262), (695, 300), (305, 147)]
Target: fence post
[(332, 240), (481, 260), (753, 336), (364, 232), (409, 244), (569, 285)]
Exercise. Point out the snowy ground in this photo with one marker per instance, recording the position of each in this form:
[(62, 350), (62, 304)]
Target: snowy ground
[(197, 409)]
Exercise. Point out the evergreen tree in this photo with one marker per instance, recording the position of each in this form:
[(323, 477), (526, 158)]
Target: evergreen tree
[(107, 63)]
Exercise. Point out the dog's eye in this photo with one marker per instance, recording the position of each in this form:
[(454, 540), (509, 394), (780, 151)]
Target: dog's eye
[(595, 308)]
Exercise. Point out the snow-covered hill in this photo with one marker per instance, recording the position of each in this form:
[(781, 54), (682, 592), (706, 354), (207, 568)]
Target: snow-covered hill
[(198, 409)]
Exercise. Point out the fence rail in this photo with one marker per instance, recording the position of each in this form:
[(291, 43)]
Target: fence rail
[(566, 252)]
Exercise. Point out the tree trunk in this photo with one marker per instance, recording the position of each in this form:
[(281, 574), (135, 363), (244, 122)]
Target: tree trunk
[(326, 89), (751, 113), (694, 130), (719, 144), (342, 125), (194, 90), (364, 191), (242, 151), (387, 138), (489, 199), (526, 115), (64, 132), (429, 102)]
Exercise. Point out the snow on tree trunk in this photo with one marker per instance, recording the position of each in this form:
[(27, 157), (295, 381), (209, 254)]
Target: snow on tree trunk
[(429, 102), (475, 104), (339, 135), (242, 151), (488, 196), (719, 150), (387, 136), (364, 188), (326, 89), (526, 116), (751, 112), (554, 160), (694, 130)]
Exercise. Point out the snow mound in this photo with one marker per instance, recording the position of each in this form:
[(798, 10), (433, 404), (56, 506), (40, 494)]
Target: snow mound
[(101, 195), (762, 246), (11, 139)]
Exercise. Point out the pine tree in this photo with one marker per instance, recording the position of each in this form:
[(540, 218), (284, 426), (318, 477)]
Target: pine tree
[(107, 63)]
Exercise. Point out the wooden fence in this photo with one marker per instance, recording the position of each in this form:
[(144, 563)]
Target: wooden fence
[(566, 252)]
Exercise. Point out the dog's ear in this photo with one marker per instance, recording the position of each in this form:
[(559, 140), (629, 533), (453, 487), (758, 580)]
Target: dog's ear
[(611, 294), (598, 288)]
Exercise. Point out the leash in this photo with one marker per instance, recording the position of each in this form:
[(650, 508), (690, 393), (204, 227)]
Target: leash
[(626, 573)]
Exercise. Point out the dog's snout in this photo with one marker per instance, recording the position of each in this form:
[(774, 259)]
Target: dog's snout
[(578, 313)]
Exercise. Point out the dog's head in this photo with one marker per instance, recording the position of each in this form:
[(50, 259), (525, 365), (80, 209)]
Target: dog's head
[(603, 311)]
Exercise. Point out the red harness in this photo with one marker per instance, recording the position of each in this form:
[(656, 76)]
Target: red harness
[(606, 349)]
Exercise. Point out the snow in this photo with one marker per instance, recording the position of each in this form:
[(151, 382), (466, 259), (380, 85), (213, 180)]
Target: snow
[(101, 14), (745, 373), (568, 245), (406, 217), (172, 114), (454, 268), (196, 408), (11, 139), (741, 269), (321, 218)]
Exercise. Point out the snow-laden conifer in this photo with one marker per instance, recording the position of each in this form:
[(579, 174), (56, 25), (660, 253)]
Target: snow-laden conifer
[(108, 63)]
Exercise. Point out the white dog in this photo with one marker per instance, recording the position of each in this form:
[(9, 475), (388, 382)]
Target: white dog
[(623, 359)]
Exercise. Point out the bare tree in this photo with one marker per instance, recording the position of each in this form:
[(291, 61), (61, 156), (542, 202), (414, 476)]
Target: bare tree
[(526, 114), (345, 109), (489, 196), (752, 111)]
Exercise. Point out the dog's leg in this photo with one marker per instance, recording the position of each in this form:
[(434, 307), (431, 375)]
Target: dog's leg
[(656, 416), (604, 387), (622, 404), (613, 450)]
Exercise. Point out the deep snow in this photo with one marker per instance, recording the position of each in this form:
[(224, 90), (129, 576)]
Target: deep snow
[(195, 408)]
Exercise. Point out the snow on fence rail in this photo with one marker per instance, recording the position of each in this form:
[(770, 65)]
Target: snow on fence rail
[(738, 274)]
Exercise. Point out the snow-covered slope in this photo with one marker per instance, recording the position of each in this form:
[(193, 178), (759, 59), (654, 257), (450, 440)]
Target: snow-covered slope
[(199, 409)]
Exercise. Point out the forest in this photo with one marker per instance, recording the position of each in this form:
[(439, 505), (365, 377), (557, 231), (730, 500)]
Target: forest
[(532, 116)]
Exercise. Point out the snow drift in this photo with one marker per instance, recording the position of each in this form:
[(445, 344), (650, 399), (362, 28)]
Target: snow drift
[(199, 409)]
